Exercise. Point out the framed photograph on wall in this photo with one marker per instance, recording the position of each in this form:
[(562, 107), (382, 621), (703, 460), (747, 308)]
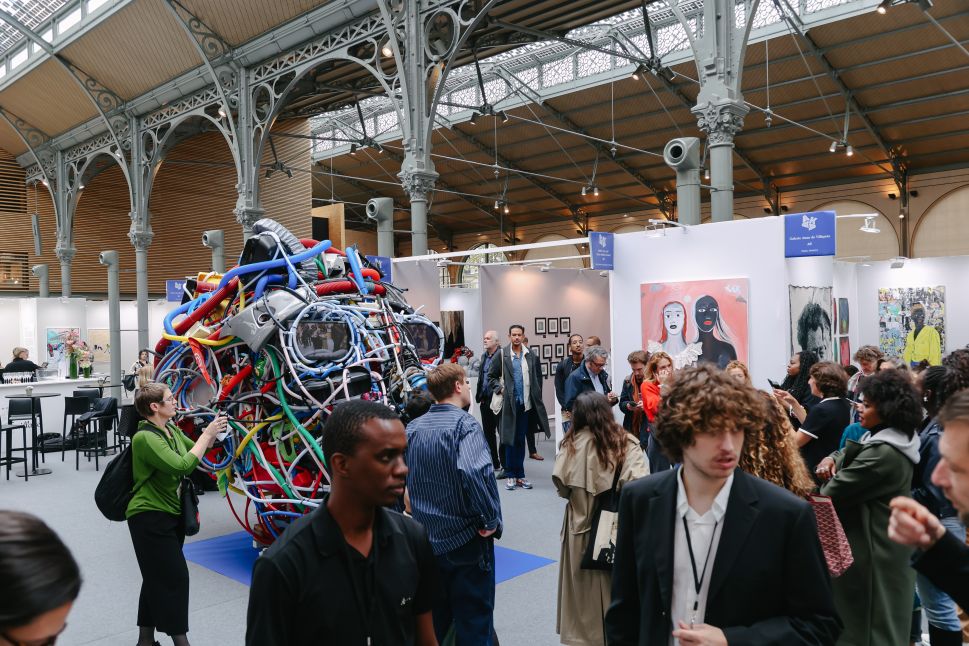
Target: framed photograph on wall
[(545, 369), (540, 325), (547, 351), (552, 326), (559, 350), (565, 325), (555, 365), (537, 349)]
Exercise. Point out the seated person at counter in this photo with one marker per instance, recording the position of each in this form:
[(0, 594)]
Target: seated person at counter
[(21, 363)]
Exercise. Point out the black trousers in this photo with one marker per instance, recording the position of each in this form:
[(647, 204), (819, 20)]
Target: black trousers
[(163, 603), (489, 422)]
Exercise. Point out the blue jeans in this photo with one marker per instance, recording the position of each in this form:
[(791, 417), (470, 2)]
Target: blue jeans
[(515, 454), (466, 593), (939, 607)]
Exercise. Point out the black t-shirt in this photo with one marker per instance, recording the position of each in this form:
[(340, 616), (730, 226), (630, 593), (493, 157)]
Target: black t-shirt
[(307, 588), (825, 423)]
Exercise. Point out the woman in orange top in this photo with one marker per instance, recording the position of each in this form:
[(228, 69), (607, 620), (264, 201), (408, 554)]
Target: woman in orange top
[(659, 372)]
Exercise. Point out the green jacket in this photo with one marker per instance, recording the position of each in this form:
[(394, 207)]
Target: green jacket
[(158, 464), (874, 596)]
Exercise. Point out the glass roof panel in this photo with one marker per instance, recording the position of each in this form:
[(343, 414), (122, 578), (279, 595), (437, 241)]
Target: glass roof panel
[(32, 13)]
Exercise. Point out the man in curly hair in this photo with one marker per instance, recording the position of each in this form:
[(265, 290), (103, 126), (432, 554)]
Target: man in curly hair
[(707, 554)]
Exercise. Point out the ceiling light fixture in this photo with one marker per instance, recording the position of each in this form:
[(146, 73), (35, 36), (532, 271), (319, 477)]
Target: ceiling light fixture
[(892, 196), (386, 50), (637, 72), (583, 191), (833, 147), (706, 173), (507, 211), (503, 116), (883, 7), (474, 118), (353, 149), (595, 191), (849, 151), (222, 112)]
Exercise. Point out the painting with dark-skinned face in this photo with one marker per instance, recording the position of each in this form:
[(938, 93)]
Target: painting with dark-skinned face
[(699, 321), (812, 321)]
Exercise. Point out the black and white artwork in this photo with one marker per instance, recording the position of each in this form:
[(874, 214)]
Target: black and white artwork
[(812, 322), (559, 350), (547, 351), (565, 325), (545, 369), (552, 327), (537, 349), (555, 366), (452, 324), (540, 325)]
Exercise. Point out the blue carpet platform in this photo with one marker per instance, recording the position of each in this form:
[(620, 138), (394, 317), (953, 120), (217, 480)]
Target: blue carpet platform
[(232, 555)]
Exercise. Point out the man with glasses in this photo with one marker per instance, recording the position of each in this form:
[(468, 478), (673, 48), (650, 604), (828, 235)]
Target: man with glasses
[(591, 375)]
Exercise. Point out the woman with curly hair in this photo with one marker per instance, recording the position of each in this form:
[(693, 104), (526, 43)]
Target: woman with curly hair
[(771, 454), (874, 596), (594, 451), (796, 383)]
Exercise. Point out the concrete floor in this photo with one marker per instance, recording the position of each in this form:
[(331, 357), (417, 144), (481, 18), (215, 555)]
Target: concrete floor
[(104, 614)]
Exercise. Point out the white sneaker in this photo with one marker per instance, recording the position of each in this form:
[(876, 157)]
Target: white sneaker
[(510, 484)]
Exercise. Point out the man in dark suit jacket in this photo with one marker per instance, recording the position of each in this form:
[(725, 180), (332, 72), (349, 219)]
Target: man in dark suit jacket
[(522, 408), (489, 421), (766, 583)]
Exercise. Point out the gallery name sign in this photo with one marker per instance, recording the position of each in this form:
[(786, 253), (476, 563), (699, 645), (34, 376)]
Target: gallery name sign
[(809, 234)]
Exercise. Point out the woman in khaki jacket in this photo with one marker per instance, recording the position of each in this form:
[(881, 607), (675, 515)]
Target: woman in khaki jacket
[(591, 452)]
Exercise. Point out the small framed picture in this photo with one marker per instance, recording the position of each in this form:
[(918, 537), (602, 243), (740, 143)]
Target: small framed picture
[(552, 326), (545, 369), (555, 365), (537, 350), (547, 351), (540, 326), (565, 325), (559, 350)]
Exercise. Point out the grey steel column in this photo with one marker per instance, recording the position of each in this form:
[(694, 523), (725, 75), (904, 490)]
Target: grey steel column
[(721, 122), (248, 209), (214, 239), (381, 210), (42, 272), (110, 260), (683, 156), (66, 256), (417, 186), (141, 240)]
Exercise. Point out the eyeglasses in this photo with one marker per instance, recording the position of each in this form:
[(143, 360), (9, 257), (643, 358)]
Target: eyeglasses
[(170, 399), (599, 365)]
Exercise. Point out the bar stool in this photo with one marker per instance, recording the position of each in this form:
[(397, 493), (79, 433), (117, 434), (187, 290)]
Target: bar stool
[(74, 407), (23, 410), (6, 458), (104, 418), (92, 394)]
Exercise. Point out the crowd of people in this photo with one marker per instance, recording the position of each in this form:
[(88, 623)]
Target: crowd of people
[(693, 522)]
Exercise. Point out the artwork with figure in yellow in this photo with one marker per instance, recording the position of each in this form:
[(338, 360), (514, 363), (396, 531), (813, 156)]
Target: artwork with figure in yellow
[(923, 342)]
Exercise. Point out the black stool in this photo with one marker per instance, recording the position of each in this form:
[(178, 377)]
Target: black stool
[(93, 394), (105, 418), (7, 459), (74, 407), (24, 410)]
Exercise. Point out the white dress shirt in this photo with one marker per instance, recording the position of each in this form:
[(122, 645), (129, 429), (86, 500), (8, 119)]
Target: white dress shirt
[(703, 530)]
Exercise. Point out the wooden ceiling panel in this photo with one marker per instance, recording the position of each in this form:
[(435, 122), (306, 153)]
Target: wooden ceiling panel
[(239, 21), (10, 141), (49, 99), (136, 49)]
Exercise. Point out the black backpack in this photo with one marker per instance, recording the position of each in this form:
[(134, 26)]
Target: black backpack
[(116, 487), (129, 382)]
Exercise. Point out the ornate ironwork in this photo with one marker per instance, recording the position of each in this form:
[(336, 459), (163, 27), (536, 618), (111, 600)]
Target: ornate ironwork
[(101, 143), (201, 99)]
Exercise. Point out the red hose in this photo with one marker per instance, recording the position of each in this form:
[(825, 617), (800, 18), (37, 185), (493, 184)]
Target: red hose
[(235, 380), (309, 243), (200, 313), (344, 287)]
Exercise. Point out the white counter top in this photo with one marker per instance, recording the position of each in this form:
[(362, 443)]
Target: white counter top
[(39, 385)]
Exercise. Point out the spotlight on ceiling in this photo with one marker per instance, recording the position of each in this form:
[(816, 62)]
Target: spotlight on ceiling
[(849, 150), (637, 72), (833, 147), (503, 116), (785, 208), (222, 112), (767, 210), (870, 226), (584, 190), (883, 7), (474, 118), (497, 205), (353, 149), (892, 196), (595, 191), (507, 211), (913, 193), (386, 50)]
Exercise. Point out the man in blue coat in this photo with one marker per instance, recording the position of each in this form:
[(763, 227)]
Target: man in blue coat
[(591, 375)]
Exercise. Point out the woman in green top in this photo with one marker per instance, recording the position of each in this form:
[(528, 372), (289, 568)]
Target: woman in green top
[(161, 455)]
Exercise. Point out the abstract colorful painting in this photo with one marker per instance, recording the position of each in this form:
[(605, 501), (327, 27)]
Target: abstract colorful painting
[(698, 321), (843, 316), (56, 337), (811, 321), (911, 323), (845, 351)]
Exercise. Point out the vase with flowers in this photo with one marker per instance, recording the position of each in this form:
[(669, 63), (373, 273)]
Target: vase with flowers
[(79, 356)]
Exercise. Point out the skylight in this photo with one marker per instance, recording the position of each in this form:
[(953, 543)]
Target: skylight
[(32, 13)]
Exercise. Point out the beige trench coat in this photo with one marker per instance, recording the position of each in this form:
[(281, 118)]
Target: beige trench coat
[(584, 595)]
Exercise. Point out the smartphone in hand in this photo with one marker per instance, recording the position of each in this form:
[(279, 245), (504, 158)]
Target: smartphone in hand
[(221, 435)]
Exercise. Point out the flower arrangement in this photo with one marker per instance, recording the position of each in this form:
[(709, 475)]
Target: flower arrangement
[(78, 352)]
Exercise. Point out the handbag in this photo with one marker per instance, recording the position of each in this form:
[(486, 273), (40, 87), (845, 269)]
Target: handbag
[(601, 550), (190, 508), (834, 543), (498, 398)]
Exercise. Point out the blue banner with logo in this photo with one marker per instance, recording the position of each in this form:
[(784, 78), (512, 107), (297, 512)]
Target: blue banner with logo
[(385, 265), (601, 247), (174, 289), (809, 234)]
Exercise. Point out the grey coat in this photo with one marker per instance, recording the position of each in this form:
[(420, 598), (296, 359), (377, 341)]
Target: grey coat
[(506, 424)]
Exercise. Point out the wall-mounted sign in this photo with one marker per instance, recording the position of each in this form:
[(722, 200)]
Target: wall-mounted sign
[(601, 247), (385, 265), (174, 289), (809, 234)]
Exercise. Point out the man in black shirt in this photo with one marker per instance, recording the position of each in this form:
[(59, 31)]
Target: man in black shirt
[(351, 572), (570, 363)]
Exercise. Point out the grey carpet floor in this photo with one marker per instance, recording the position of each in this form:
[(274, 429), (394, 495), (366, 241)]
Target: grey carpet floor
[(104, 615)]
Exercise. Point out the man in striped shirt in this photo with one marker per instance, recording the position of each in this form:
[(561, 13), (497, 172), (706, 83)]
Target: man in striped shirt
[(453, 493)]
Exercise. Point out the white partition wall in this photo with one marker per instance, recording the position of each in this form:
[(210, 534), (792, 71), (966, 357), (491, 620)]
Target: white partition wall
[(421, 279), (752, 249), (521, 294)]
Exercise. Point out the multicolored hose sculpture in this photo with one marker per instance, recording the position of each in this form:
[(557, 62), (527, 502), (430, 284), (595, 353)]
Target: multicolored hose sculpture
[(275, 343)]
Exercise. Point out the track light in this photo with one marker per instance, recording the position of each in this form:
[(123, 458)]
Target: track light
[(222, 112), (507, 210), (584, 189), (497, 205), (767, 210), (833, 147), (474, 118), (385, 49), (892, 196), (849, 150), (503, 116), (883, 7), (913, 193), (706, 173), (595, 191), (637, 72), (353, 149), (785, 208)]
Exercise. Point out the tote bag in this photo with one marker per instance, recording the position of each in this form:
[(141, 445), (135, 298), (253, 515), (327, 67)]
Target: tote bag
[(601, 550), (834, 543)]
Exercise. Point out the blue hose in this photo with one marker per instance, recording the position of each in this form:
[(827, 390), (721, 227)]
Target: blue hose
[(274, 264), (354, 259)]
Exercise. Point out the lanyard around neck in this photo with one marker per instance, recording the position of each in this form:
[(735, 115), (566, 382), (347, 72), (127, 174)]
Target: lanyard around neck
[(698, 577)]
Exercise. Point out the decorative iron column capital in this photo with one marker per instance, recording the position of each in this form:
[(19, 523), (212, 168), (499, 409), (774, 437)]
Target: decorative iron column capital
[(720, 121), (141, 238), (417, 184), (65, 253), (248, 215)]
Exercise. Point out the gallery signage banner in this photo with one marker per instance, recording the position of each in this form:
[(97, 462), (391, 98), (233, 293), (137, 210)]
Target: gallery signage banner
[(602, 248), (174, 290), (385, 265), (809, 234)]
